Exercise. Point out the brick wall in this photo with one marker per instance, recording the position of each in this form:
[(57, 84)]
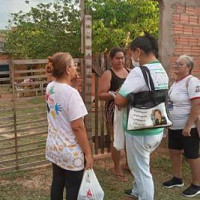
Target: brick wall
[(186, 33), (183, 34)]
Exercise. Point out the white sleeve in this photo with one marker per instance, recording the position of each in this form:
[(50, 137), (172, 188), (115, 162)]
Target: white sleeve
[(194, 88), (75, 106), (133, 83)]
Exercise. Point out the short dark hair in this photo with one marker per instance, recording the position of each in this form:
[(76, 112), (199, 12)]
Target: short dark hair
[(115, 50), (147, 43)]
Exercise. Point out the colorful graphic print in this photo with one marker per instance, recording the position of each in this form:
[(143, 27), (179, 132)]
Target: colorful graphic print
[(52, 107), (62, 149)]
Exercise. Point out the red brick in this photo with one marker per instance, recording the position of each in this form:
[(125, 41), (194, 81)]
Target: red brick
[(173, 60), (187, 48), (177, 28), (178, 50), (196, 48), (190, 10), (183, 50), (176, 17), (196, 30), (197, 63), (193, 41), (176, 38), (183, 40), (184, 19), (197, 11), (195, 53), (188, 30), (193, 20), (180, 8)]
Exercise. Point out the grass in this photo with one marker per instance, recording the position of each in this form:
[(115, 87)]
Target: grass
[(35, 184)]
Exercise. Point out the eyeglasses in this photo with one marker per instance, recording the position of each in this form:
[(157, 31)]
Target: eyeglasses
[(74, 65), (178, 64)]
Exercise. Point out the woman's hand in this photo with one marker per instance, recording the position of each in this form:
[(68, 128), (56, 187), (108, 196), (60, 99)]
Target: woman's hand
[(120, 101), (89, 162), (79, 130), (186, 131), (193, 116)]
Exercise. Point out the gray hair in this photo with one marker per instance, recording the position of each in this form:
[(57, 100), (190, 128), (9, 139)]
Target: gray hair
[(190, 62)]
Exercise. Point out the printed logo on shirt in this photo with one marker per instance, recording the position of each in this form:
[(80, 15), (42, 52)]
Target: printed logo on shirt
[(197, 88)]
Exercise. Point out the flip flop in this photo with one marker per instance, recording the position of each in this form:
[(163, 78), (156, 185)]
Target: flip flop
[(126, 168), (121, 177)]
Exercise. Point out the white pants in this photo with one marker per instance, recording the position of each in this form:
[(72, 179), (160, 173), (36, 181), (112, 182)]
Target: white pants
[(138, 150)]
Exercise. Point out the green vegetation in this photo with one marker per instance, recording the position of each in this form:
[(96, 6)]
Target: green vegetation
[(35, 184), (53, 27), (46, 29), (117, 22)]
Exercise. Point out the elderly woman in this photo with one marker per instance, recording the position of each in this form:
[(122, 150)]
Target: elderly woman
[(67, 145), (184, 109)]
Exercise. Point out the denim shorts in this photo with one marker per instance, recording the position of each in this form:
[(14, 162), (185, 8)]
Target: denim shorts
[(190, 145)]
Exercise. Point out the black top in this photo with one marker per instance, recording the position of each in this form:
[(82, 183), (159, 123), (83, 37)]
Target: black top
[(116, 82)]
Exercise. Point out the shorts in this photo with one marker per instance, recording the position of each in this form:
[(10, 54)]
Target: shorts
[(190, 145)]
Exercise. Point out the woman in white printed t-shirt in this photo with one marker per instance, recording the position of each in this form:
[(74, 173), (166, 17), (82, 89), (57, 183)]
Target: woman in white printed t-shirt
[(67, 145), (141, 143), (184, 109)]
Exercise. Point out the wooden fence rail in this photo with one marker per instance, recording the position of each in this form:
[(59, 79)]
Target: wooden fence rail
[(23, 123)]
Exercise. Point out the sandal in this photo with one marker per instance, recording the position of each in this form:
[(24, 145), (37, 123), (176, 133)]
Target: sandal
[(121, 177), (126, 168)]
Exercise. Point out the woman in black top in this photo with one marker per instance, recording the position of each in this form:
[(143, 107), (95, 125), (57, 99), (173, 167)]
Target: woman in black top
[(109, 83)]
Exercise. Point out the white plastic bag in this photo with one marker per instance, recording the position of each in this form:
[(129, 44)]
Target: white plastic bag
[(119, 135), (90, 188)]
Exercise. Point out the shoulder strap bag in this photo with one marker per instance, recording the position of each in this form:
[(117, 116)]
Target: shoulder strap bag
[(147, 109)]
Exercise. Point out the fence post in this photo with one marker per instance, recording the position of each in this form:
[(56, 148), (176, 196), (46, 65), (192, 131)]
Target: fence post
[(87, 27), (12, 75), (96, 116)]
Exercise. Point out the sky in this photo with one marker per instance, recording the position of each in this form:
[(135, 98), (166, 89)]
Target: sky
[(14, 6)]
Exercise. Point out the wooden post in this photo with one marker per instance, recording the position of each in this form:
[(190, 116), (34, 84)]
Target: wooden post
[(86, 50), (88, 70), (12, 75), (96, 146), (82, 10)]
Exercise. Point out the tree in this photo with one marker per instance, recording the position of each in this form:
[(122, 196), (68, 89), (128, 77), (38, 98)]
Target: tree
[(117, 22), (53, 27), (46, 29)]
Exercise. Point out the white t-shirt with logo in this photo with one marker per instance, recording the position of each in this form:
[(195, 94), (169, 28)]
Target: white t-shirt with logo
[(180, 94), (64, 104), (135, 83)]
